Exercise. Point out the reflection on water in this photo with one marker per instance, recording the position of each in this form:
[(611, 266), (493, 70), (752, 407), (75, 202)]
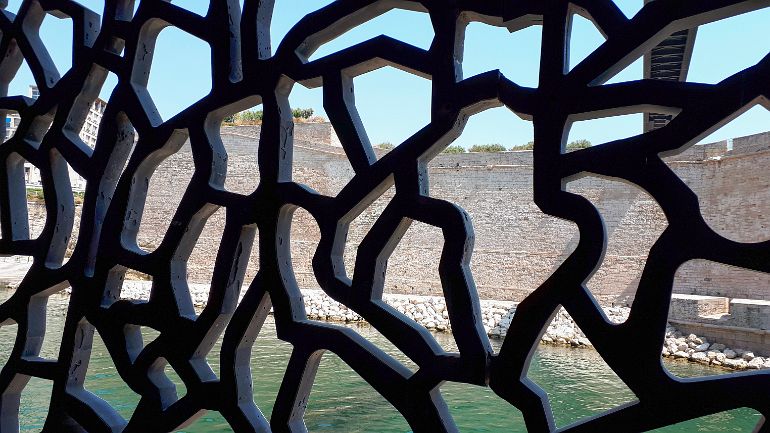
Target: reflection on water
[(578, 383)]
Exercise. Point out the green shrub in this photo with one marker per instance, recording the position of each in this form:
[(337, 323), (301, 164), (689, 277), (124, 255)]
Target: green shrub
[(302, 113), (529, 146), (454, 149), (578, 144), (487, 148), (385, 146)]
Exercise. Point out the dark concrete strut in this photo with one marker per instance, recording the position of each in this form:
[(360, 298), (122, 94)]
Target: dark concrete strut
[(247, 71)]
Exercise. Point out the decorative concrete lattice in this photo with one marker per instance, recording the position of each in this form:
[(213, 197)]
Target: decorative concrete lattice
[(246, 72)]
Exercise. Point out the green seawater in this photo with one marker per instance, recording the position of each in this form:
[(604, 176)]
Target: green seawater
[(577, 381)]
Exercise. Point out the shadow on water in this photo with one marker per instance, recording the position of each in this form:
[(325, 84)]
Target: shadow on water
[(343, 402)]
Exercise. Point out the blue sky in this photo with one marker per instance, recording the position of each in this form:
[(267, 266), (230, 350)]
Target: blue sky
[(394, 104)]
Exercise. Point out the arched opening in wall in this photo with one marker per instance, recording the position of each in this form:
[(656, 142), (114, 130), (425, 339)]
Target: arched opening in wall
[(103, 380), (752, 120), (717, 320), (56, 35), (714, 56), (286, 14), (328, 407), (585, 374), (34, 405), (401, 97), (472, 406), (168, 184), (484, 43), (178, 79), (586, 132), (742, 420), (633, 222), (239, 135), (411, 27), (584, 39)]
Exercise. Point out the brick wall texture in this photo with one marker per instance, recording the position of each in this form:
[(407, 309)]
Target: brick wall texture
[(516, 245)]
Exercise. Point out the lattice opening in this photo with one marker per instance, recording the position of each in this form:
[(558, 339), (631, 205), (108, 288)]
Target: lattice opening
[(411, 27), (632, 72), (743, 420), (712, 305), (191, 79), (475, 406), (103, 380), (584, 39), (34, 405), (406, 102), (629, 7), (484, 43), (8, 333), (604, 129), (330, 409), (317, 151), (27, 205), (633, 222), (77, 187), (194, 6), (12, 120), (714, 56), (754, 119), (124, 283), (167, 186), (286, 14), (586, 375), (268, 360), (362, 225), (482, 135), (305, 236), (55, 312), (56, 35), (22, 79), (199, 265), (239, 138)]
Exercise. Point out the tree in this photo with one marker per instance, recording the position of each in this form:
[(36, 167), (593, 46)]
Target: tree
[(487, 148), (454, 149)]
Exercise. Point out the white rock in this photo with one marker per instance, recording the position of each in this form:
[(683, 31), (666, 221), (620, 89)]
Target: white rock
[(700, 358), (756, 363), (701, 347), (748, 356), (729, 353)]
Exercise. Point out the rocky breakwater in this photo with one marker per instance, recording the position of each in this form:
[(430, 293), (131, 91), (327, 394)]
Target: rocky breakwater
[(698, 349), (431, 312)]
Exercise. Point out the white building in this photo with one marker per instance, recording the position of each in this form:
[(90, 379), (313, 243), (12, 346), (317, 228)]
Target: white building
[(88, 134)]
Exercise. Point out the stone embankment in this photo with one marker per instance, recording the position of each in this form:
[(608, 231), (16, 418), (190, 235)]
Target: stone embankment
[(431, 312)]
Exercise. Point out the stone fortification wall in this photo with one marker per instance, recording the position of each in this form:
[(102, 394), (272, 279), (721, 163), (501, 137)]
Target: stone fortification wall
[(517, 246)]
